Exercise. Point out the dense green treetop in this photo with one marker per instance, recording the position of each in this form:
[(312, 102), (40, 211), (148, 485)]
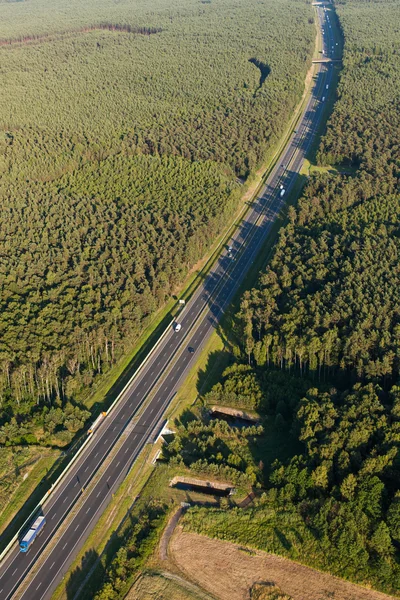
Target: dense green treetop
[(190, 89), (365, 125), (128, 130), (327, 308), (329, 299)]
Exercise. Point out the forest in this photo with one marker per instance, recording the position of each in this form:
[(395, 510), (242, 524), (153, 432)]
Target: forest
[(127, 135), (324, 318), (328, 303), (334, 506)]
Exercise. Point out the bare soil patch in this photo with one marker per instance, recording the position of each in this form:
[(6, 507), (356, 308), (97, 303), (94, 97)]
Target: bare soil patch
[(229, 571)]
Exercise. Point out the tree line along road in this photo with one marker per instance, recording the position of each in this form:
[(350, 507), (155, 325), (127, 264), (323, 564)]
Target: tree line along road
[(167, 367)]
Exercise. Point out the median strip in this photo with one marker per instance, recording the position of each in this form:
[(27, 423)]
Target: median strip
[(177, 354)]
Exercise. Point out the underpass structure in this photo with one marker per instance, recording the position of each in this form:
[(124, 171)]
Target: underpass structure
[(149, 393)]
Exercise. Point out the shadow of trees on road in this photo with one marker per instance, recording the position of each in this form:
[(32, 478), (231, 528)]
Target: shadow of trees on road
[(76, 581)]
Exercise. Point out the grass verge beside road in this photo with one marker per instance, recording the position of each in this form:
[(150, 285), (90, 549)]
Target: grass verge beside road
[(114, 381), (19, 481), (143, 483), (217, 352)]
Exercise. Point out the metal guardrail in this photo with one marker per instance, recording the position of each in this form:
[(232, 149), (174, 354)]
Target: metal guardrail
[(89, 438)]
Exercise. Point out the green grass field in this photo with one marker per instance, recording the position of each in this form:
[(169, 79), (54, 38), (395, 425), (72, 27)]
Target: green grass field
[(155, 586), (21, 470)]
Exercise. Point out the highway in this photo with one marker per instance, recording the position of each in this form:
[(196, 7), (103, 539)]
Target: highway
[(149, 394)]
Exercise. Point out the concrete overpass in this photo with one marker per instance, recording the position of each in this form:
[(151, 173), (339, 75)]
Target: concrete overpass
[(326, 60)]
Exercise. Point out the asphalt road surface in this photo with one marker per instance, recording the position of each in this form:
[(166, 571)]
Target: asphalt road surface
[(161, 377)]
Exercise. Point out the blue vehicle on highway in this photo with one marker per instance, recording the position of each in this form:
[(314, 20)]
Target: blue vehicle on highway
[(32, 534)]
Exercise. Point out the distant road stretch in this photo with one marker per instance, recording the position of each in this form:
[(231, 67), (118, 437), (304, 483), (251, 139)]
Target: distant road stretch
[(164, 372)]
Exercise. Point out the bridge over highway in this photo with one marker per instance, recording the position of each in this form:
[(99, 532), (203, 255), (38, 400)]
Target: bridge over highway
[(121, 435), (318, 61)]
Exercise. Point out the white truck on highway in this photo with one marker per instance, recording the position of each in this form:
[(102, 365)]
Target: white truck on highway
[(96, 422), (282, 191), (32, 534)]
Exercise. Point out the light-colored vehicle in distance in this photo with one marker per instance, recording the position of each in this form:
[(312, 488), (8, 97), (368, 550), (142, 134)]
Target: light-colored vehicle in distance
[(177, 327), (323, 99), (327, 86), (282, 191)]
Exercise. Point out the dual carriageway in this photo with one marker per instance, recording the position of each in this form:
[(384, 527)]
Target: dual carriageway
[(125, 430)]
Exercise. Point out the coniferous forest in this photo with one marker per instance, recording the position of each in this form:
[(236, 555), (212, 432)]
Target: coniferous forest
[(127, 133), (325, 314)]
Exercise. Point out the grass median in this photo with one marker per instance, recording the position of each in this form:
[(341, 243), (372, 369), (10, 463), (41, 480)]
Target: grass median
[(219, 349), (114, 381)]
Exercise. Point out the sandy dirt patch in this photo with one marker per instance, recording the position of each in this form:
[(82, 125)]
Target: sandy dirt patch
[(228, 571)]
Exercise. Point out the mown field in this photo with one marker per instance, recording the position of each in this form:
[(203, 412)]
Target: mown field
[(159, 587), (233, 572)]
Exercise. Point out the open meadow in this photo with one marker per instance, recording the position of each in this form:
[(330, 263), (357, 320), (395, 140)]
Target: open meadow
[(158, 586), (230, 572)]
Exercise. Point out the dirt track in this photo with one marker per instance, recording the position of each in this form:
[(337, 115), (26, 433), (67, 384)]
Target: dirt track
[(229, 572)]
